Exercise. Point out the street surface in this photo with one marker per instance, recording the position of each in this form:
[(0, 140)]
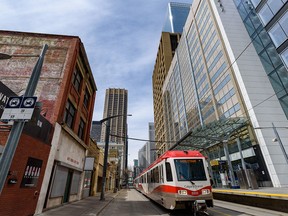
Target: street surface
[(131, 202)]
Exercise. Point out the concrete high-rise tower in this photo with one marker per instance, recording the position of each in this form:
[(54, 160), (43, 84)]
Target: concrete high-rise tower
[(116, 101)]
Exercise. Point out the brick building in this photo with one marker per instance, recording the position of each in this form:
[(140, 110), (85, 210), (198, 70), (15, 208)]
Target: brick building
[(67, 90), (27, 169)]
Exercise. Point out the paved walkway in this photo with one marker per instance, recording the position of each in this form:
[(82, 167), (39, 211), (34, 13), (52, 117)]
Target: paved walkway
[(90, 206)]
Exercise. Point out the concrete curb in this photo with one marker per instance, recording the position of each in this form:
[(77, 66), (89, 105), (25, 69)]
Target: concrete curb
[(113, 197)]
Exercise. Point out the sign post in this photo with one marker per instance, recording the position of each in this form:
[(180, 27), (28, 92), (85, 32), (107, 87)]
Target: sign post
[(15, 133)]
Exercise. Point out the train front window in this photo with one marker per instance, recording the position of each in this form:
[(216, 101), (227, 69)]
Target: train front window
[(190, 170)]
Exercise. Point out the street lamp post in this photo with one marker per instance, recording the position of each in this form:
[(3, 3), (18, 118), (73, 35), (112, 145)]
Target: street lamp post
[(16, 130), (106, 148)]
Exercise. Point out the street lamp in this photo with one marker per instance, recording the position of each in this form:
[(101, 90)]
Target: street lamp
[(102, 196), (16, 130)]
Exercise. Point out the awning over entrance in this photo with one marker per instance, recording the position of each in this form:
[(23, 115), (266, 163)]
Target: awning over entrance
[(210, 134)]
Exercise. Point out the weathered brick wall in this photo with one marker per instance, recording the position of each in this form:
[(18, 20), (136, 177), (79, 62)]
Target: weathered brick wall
[(54, 86), (58, 63), (15, 200)]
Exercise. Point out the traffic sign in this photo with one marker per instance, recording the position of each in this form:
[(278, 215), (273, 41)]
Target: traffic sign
[(19, 108)]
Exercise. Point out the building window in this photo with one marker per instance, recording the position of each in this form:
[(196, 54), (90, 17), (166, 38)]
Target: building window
[(86, 98), (77, 78), (279, 32), (255, 2), (269, 10), (81, 128), (284, 56), (69, 114), (265, 14)]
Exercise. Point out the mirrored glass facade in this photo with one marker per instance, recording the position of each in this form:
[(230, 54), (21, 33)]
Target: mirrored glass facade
[(200, 88), (176, 16), (269, 35)]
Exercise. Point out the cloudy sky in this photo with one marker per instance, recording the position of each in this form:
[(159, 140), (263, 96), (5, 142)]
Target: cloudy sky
[(121, 39)]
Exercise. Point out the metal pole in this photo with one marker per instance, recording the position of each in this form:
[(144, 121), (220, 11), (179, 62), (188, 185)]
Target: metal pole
[(14, 136), (209, 164), (280, 143), (102, 197), (243, 163), (231, 172)]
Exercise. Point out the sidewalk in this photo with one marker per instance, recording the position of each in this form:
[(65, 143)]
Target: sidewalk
[(268, 198), (90, 206)]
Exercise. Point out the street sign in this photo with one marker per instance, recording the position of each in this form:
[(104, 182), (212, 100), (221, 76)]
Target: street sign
[(19, 108)]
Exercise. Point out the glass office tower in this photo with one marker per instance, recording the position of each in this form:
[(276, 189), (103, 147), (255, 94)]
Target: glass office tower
[(269, 33), (216, 74), (176, 17)]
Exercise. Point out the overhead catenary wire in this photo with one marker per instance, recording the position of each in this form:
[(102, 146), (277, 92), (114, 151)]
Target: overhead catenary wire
[(245, 113)]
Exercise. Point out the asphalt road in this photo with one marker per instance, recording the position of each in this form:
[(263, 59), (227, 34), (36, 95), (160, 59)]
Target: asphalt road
[(131, 202)]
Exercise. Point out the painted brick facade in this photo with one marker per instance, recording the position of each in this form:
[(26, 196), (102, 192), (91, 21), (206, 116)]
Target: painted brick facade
[(14, 199), (55, 88)]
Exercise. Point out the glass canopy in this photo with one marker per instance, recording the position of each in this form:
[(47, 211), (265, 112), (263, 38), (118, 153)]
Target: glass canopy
[(213, 133)]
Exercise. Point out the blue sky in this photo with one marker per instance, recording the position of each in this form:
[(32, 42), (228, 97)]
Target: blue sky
[(121, 39)]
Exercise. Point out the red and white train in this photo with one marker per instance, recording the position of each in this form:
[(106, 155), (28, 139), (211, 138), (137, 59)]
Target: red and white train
[(177, 180)]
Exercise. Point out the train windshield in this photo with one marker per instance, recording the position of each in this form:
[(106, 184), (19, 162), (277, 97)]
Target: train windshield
[(190, 170)]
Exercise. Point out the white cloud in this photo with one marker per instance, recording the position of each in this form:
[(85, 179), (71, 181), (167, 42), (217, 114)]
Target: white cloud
[(121, 39)]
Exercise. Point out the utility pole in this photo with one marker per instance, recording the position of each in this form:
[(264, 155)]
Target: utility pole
[(106, 149)]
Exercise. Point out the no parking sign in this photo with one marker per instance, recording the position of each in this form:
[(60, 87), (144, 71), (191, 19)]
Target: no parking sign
[(19, 108)]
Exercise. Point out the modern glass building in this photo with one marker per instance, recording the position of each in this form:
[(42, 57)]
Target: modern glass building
[(173, 26), (218, 98), (267, 25), (176, 16), (166, 50), (95, 132)]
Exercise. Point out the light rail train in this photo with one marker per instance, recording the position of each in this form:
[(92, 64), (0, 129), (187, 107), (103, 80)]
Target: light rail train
[(178, 180)]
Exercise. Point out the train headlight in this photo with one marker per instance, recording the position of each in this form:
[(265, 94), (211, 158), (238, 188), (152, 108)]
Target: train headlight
[(205, 191), (182, 192)]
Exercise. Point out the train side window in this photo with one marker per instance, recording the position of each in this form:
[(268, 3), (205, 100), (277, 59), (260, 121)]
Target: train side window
[(156, 175), (149, 177), (161, 173), (168, 172)]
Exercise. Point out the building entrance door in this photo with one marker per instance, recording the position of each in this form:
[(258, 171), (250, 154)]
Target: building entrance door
[(68, 186)]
